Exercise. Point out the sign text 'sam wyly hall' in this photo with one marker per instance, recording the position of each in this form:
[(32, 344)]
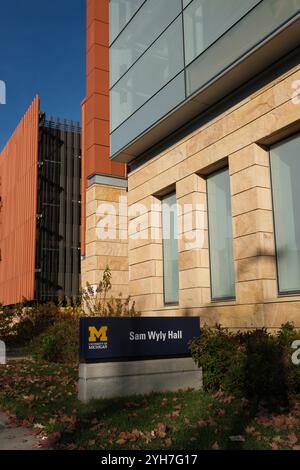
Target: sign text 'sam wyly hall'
[(136, 338)]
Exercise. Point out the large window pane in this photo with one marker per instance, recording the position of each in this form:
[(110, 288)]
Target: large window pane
[(246, 34), (285, 166), (152, 19), (157, 107), (220, 235), (162, 61), (206, 20), (120, 12), (170, 249)]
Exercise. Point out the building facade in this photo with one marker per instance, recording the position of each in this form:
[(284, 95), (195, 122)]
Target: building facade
[(205, 113), (40, 171)]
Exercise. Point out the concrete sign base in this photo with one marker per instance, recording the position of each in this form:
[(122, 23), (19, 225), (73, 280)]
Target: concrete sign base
[(116, 379)]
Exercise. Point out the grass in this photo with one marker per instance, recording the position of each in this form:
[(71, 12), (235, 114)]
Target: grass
[(44, 397)]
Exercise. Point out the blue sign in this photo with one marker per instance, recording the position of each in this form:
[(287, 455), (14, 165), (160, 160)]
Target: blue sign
[(126, 338)]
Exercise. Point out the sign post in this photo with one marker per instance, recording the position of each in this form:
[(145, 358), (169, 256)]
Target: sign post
[(2, 353)]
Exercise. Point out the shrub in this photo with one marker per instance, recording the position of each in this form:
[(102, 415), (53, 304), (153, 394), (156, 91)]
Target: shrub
[(96, 301), (216, 351), (255, 365), (59, 343), (265, 371), (21, 323)]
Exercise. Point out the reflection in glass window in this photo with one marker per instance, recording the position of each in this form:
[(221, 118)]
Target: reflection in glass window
[(285, 167), (120, 12), (145, 27), (162, 61), (170, 249), (220, 235), (206, 20)]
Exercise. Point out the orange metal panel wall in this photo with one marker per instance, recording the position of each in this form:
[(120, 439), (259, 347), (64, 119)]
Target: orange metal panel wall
[(96, 128), (95, 111), (83, 185), (18, 191)]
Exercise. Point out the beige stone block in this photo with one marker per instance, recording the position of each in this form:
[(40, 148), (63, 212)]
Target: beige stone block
[(190, 184), (159, 268), (151, 285), (251, 222), (277, 314), (143, 270), (193, 259), (255, 198), (140, 242), (161, 163), (192, 202), (115, 263), (103, 208), (255, 176), (101, 262), (145, 253), (260, 267), (189, 298), (89, 264), (247, 157), (107, 193), (111, 235), (195, 220), (119, 277), (258, 244), (91, 208), (148, 302), (91, 222), (255, 291), (198, 277), (194, 240), (235, 317), (148, 221), (106, 248)]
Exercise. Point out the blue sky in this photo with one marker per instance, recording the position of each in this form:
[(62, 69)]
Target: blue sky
[(42, 51)]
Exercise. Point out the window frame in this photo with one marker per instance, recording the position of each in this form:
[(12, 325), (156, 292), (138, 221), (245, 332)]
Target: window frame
[(226, 298), (281, 293), (162, 198)]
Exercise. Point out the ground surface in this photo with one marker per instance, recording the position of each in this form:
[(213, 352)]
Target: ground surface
[(15, 438), (42, 398)]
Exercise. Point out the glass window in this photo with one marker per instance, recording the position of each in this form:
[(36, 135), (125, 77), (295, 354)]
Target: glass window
[(152, 19), (246, 34), (186, 2), (157, 107), (170, 249), (206, 20), (220, 235), (162, 61), (285, 168), (120, 12)]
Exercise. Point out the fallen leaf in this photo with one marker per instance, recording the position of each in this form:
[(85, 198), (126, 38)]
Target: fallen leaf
[(161, 430), (121, 442), (292, 439)]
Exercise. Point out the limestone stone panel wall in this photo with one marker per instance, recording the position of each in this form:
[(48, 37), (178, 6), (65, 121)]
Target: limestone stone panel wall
[(113, 251), (237, 138)]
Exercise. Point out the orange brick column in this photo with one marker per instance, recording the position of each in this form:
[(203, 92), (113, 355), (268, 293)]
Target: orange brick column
[(97, 168)]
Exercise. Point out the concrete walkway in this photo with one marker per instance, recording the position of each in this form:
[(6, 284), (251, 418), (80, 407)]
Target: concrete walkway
[(12, 438)]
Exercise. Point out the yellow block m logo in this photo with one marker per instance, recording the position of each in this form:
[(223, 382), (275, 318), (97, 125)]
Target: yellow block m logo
[(95, 334)]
